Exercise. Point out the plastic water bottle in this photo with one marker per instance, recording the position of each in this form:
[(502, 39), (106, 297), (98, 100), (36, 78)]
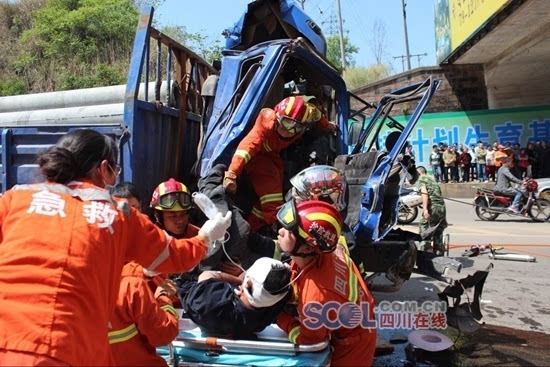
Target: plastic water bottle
[(209, 209), (205, 204)]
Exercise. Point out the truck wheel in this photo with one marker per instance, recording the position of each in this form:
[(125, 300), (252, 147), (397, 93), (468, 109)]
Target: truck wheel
[(485, 215), (406, 214), (540, 210)]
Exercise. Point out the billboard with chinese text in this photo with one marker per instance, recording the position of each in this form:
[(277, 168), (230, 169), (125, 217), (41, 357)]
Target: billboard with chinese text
[(514, 125), (458, 20)]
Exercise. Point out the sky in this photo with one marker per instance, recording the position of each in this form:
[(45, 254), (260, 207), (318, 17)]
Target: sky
[(211, 17)]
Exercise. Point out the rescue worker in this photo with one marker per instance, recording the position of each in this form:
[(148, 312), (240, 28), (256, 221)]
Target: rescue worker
[(434, 213), (322, 273), (63, 245), (141, 320), (226, 305), (171, 202), (258, 154), (127, 191)]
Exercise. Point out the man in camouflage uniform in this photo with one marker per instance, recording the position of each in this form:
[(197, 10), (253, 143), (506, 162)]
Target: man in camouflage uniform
[(434, 212)]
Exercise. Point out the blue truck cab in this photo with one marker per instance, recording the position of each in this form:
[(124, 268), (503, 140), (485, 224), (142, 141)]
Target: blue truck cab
[(274, 51)]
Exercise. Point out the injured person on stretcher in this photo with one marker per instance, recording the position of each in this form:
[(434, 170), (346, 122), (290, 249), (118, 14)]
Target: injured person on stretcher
[(228, 306)]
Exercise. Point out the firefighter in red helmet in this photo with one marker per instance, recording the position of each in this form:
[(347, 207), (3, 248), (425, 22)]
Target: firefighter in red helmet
[(323, 273), (171, 202), (258, 153)]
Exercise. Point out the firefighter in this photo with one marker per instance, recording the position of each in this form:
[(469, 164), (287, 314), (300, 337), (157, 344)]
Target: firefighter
[(171, 202), (324, 274), (142, 320), (63, 245), (258, 153)]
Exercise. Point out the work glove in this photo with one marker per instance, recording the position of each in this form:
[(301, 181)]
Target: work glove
[(230, 182), (166, 288), (214, 229)]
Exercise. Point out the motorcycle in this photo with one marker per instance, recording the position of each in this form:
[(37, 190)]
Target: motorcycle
[(409, 201), (491, 204)]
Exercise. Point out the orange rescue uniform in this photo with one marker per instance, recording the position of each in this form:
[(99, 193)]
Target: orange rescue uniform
[(139, 322), (61, 256), (332, 277), (258, 155)]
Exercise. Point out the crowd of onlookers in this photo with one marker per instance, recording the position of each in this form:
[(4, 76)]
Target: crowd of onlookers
[(479, 163)]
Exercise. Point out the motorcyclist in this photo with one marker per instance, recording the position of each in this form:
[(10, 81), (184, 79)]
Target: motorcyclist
[(504, 180)]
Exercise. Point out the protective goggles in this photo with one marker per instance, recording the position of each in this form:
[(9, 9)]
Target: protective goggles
[(170, 200), (291, 125)]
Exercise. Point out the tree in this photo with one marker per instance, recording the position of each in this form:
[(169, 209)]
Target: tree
[(378, 40), (198, 42), (334, 53), (361, 76)]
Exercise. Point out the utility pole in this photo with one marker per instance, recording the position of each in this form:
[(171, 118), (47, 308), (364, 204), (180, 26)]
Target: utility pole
[(404, 4), (341, 31), (402, 57), (302, 3), (418, 56)]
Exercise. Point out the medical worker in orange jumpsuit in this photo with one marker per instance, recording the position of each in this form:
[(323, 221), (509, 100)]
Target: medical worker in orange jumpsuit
[(258, 154), (63, 244), (324, 274), (142, 320)]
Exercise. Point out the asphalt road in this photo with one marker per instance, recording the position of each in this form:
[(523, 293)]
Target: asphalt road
[(516, 293)]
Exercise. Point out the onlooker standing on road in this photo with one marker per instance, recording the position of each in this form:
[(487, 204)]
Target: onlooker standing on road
[(523, 163), (481, 159), (473, 164), (544, 160), (435, 162), (444, 175), (500, 154), (450, 161), (465, 161), (455, 168), (532, 154), (490, 161), (434, 213)]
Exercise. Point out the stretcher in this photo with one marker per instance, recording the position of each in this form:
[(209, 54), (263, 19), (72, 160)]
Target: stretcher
[(271, 348)]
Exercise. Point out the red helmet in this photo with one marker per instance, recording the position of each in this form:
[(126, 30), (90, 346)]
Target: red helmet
[(296, 108), (317, 222), (171, 195)]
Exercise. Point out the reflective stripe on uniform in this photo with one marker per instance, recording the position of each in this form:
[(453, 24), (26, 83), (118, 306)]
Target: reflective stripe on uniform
[(269, 198), (353, 283), (257, 212), (294, 334), (163, 255), (243, 154), (170, 309), (267, 147), (119, 336)]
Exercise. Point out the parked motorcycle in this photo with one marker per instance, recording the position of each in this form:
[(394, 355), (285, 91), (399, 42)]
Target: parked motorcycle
[(491, 204), (409, 201)]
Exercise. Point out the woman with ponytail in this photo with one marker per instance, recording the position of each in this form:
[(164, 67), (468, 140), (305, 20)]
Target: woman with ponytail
[(62, 247)]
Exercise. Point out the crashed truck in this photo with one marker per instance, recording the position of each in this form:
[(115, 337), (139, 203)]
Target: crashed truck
[(178, 116), (189, 116)]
